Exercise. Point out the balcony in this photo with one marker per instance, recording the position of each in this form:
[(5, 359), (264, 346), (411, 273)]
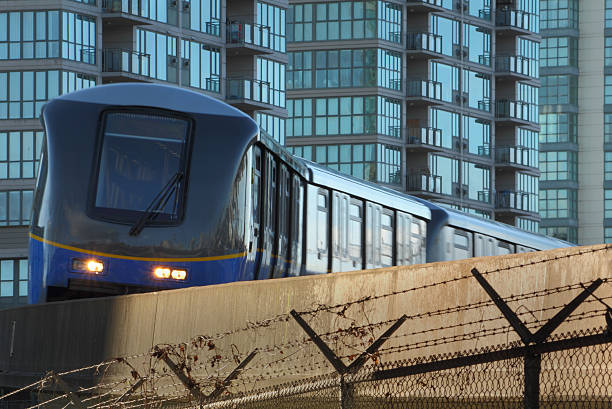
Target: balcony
[(424, 45), (521, 68), (517, 157), (125, 12), (513, 113), (124, 65), (516, 22), (249, 39), (248, 94), (424, 6), (510, 201), (423, 92), (422, 182), (424, 139)]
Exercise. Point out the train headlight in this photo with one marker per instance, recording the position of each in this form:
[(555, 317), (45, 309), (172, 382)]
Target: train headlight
[(162, 272), (179, 274), (167, 273), (88, 266)]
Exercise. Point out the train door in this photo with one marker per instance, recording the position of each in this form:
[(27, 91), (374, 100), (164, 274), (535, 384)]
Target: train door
[(387, 258), (317, 231), (283, 221), (340, 214), (484, 245), (355, 234), (254, 244), (402, 232), (269, 218), (296, 226), (503, 248), (373, 235), (462, 245)]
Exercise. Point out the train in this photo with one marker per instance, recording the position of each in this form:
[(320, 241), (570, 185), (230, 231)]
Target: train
[(145, 187)]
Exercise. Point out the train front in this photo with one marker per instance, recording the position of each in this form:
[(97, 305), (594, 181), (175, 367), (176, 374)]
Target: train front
[(141, 187)]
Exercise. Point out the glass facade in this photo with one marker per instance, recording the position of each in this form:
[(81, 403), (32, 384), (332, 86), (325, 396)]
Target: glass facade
[(558, 203), (23, 93), (559, 52), (200, 15), (559, 89), (272, 18), (344, 116), (162, 63), (608, 203), (558, 14), (558, 127), (373, 162), (561, 165), (345, 20), (47, 34), (15, 207), (272, 125), (271, 73), (563, 233), (19, 154), (344, 69)]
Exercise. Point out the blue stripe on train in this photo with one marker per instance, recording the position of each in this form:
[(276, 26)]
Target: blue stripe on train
[(52, 266)]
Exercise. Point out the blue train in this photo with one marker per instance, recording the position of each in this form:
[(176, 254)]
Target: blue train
[(145, 187)]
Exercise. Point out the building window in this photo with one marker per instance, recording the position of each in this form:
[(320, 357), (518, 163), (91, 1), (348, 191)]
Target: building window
[(608, 13), (273, 19), (15, 207), (528, 187), (477, 88), (271, 75), (559, 166), (558, 203), (202, 15), (608, 89), (22, 94), (477, 41), (160, 49), (558, 127), (476, 178), (274, 126), (559, 89), (562, 233), (25, 35), (19, 154), (607, 128), (373, 162), (345, 69), (608, 203), (558, 14), (608, 52), (527, 224), (608, 166), (344, 21), (559, 52), (608, 235), (204, 66), (14, 278)]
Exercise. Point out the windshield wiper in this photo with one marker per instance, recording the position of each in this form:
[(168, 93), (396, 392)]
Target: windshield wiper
[(157, 204)]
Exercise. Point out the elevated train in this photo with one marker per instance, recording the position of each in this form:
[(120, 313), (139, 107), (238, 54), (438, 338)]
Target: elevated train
[(145, 187)]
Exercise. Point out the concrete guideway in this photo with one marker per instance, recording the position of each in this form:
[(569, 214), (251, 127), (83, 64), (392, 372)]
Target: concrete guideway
[(443, 302)]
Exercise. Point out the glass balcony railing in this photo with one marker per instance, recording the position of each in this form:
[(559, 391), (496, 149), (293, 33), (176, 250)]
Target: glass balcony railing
[(516, 65), (424, 88), (424, 136), (246, 33), (129, 61), (88, 55), (424, 182), (515, 155), (424, 42), (248, 89), (512, 110), (517, 19), (437, 3), (512, 200), (122, 6)]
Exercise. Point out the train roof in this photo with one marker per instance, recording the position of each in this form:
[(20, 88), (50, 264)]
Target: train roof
[(324, 176), (502, 231), (154, 96)]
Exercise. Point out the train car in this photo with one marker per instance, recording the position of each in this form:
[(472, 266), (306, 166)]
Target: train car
[(157, 187)]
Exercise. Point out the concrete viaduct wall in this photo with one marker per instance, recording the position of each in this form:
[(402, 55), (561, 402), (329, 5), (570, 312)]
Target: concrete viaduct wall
[(64, 335)]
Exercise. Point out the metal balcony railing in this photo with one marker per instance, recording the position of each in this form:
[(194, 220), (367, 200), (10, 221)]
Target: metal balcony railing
[(424, 88), (121, 60), (424, 182), (515, 155), (424, 136), (424, 42), (437, 3), (212, 27), (516, 65), (513, 200), (248, 89), (484, 196)]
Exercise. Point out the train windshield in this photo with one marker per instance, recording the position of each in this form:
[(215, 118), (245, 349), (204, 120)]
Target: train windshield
[(141, 154)]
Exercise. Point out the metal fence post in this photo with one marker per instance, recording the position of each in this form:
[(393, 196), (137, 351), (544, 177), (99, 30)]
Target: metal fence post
[(533, 363)]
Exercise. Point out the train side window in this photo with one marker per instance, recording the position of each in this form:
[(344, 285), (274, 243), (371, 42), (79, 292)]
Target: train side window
[(417, 241), (462, 245), (322, 219), (504, 248), (386, 238)]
